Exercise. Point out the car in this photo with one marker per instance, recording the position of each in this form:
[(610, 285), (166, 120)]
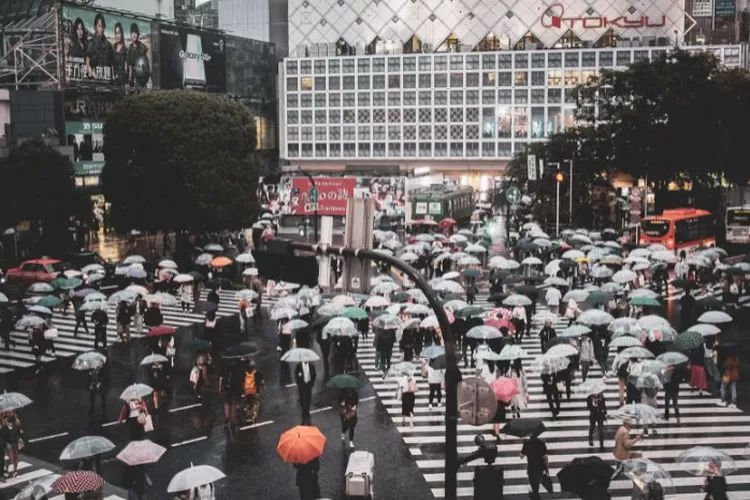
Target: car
[(34, 271)]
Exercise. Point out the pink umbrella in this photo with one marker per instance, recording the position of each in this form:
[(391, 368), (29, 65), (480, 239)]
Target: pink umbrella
[(141, 453), (505, 389), (500, 323)]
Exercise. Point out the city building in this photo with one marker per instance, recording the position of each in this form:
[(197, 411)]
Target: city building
[(458, 86), (265, 20)]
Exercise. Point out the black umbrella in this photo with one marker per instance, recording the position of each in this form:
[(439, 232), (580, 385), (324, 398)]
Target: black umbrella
[(710, 303), (523, 427), (583, 474), (534, 278), (196, 275), (204, 307), (565, 264), (218, 282), (241, 350), (438, 363), (684, 284), (512, 279), (526, 290), (11, 291)]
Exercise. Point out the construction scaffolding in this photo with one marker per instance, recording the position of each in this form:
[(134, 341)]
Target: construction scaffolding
[(30, 53)]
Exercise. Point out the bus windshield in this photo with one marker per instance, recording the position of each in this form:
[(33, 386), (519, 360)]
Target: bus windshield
[(738, 217), (655, 227)]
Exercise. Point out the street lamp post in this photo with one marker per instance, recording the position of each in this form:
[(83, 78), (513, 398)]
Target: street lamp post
[(558, 179), (570, 195)]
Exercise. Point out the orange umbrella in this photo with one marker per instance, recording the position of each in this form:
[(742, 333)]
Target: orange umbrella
[(220, 261), (301, 444)]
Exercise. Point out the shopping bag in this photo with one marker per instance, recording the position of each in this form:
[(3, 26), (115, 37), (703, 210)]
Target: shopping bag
[(148, 426), (547, 482)]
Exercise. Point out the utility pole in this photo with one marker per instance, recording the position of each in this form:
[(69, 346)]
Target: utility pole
[(558, 181), (570, 195), (315, 210)]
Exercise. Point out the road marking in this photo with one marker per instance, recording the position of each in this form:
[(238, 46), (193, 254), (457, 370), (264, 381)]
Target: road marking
[(182, 408), (46, 438), (253, 426), (189, 441), (320, 410), (110, 424), (367, 399), (290, 385)]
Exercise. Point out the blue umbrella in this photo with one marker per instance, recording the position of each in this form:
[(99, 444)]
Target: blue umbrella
[(433, 352)]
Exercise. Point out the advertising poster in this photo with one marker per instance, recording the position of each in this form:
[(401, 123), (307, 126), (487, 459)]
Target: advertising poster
[(703, 8), (329, 193), (725, 8), (84, 124), (388, 193), (192, 59), (104, 48)]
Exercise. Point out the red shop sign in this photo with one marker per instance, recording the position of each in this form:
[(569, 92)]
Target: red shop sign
[(330, 194), (554, 17)]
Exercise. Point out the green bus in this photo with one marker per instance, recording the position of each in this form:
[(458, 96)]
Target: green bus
[(439, 201)]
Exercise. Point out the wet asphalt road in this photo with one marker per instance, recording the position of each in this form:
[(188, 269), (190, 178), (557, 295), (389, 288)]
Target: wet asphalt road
[(196, 433)]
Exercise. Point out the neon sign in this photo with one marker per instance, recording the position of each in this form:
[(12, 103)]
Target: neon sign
[(554, 17)]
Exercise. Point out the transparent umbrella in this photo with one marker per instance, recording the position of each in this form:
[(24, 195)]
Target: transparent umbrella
[(484, 332), (193, 477), (39, 489), (13, 401), (340, 327), (623, 276), (299, 355), (85, 447), (705, 329), (283, 313), (591, 386), (246, 294), (644, 471), (517, 300), (644, 292), (561, 350), (625, 341), (385, 288), (715, 317), (546, 364), (649, 381), (89, 361), (576, 296), (27, 322), (376, 301), (387, 322), (512, 352), (706, 461), (652, 322), (575, 331), (638, 412), (136, 391), (595, 317), (141, 452)]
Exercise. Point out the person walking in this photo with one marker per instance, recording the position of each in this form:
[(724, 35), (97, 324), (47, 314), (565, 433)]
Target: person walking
[(153, 316), (535, 451), (624, 445), (101, 320), (304, 377), (729, 381), (698, 370), (586, 355), (552, 393), (553, 298), (244, 318), (307, 480), (436, 380), (124, 315), (253, 389), (6, 326), (348, 400), (80, 316), (518, 318), (12, 436), (546, 334), (98, 386), (715, 487), (134, 413), (521, 400), (186, 297), (407, 390), (674, 376), (231, 384), (139, 311), (597, 407)]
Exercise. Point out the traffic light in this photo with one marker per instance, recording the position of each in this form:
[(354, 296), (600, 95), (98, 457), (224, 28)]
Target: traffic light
[(559, 177), (303, 227)]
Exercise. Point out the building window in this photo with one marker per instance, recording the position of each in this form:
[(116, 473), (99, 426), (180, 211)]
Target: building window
[(291, 84), (306, 101), (394, 98), (349, 116), (606, 59), (333, 66), (472, 132), (394, 64), (291, 67), (441, 97), (538, 60), (472, 149), (394, 116), (489, 78), (425, 149), (472, 80), (554, 60), (457, 97), (350, 133), (320, 100), (410, 149), (504, 150), (571, 59), (488, 149), (457, 114), (378, 65), (378, 98), (425, 64), (457, 149), (522, 61), (441, 132), (472, 97), (554, 96), (425, 132), (410, 81), (425, 98), (394, 81), (363, 65), (378, 115), (307, 133), (305, 67), (410, 98), (588, 59), (504, 61), (350, 149), (537, 78), (394, 149), (334, 83), (440, 63), (410, 132), (320, 67), (537, 96), (489, 61), (488, 96), (572, 78), (410, 115), (504, 121), (410, 64), (378, 133), (425, 115), (378, 149), (425, 81), (537, 122), (306, 83), (292, 134), (394, 132), (472, 115), (457, 131), (441, 149), (321, 134), (307, 117), (348, 99), (363, 116), (521, 78), (623, 57), (334, 133), (521, 96), (364, 82), (363, 133), (505, 79), (441, 115), (504, 96), (554, 78), (554, 120), (363, 99), (320, 116), (334, 100), (441, 80), (334, 150), (457, 80), (348, 83), (293, 150), (378, 82), (292, 117)]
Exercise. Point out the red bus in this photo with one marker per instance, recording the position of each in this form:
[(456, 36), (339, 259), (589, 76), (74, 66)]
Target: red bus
[(680, 229)]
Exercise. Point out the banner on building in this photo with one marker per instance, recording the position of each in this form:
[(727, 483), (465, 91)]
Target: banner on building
[(703, 8), (329, 195), (103, 48), (192, 58), (85, 113), (725, 8)]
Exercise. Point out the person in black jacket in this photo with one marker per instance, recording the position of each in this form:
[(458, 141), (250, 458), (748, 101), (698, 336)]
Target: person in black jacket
[(546, 334), (674, 376), (552, 393), (597, 407), (153, 316), (307, 480), (98, 386), (6, 327), (100, 319), (304, 377)]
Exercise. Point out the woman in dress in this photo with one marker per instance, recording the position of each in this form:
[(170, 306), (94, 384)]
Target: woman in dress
[(159, 378), (407, 389), (698, 378)]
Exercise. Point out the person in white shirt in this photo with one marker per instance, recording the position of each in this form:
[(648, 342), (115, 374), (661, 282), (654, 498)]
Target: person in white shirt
[(553, 297), (435, 378), (518, 317)]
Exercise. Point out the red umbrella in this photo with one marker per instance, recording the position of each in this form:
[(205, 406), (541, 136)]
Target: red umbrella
[(79, 481), (499, 323), (411, 240), (447, 222), (505, 389), (160, 331)]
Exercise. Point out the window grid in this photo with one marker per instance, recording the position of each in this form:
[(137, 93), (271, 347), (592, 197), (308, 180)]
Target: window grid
[(487, 105)]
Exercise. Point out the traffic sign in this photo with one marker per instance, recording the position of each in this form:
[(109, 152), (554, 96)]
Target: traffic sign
[(541, 168), (531, 165), (477, 402), (513, 195), (355, 284)]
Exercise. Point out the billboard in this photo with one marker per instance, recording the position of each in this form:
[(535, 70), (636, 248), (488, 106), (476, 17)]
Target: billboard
[(330, 194), (85, 113), (191, 58), (105, 49)]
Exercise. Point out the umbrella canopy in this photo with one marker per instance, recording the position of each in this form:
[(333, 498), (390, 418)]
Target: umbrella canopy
[(40, 310), (512, 352), (625, 341), (595, 317), (546, 364), (89, 361), (561, 351), (343, 382), (85, 447), (517, 300), (41, 288), (299, 355), (344, 300), (301, 444), (706, 461), (636, 353), (39, 489), (645, 471), (432, 352), (672, 358), (582, 473), (687, 341), (154, 359), (13, 401), (66, 283), (193, 477), (400, 369), (136, 391), (623, 276), (141, 453), (79, 481), (183, 278), (340, 327), (241, 350), (591, 386), (705, 329), (638, 412), (575, 331), (27, 322), (644, 302), (576, 296), (377, 301), (715, 317), (161, 331), (220, 262), (505, 389), (49, 302), (653, 322), (484, 332), (524, 427), (354, 313)]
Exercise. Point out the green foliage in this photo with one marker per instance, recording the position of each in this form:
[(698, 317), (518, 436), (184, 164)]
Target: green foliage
[(180, 160), (37, 185)]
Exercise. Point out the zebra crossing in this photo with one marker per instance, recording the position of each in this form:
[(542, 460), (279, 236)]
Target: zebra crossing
[(28, 473), (702, 422), (67, 346)]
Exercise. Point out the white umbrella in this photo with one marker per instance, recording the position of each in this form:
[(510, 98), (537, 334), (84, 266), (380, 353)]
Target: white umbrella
[(470, 260), (547, 364), (507, 264), (300, 355), (638, 412), (532, 261), (455, 305), (168, 263), (642, 253), (705, 329), (576, 296), (194, 477), (656, 247), (595, 317), (452, 275), (664, 256), (385, 288), (511, 352), (136, 391), (340, 327), (715, 317), (561, 351), (430, 322), (623, 276), (591, 386), (573, 254), (644, 292), (344, 300), (601, 272), (409, 257), (555, 281), (376, 302), (475, 248), (552, 267), (517, 300), (652, 322), (625, 341), (381, 278), (133, 259), (245, 258), (183, 278), (138, 290), (484, 332), (448, 286)]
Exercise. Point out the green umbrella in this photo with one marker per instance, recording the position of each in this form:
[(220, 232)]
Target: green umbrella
[(344, 382), (66, 283), (467, 312), (644, 301), (49, 301), (598, 297), (354, 313), (687, 341), (471, 273)]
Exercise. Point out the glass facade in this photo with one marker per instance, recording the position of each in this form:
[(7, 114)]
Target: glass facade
[(441, 106)]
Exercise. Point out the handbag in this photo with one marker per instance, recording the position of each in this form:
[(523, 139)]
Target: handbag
[(547, 481), (141, 418), (194, 374), (148, 424)]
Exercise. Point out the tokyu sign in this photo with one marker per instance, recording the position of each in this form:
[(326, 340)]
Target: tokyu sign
[(554, 17)]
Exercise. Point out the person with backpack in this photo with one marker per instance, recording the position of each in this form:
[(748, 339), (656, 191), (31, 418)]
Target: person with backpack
[(231, 387), (253, 387), (100, 319), (304, 376), (80, 316), (124, 315), (407, 390)]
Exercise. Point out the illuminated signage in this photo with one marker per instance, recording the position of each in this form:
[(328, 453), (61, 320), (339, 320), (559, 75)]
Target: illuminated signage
[(554, 17)]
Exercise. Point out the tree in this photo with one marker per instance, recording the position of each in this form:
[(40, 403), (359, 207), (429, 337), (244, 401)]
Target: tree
[(37, 185), (182, 161)]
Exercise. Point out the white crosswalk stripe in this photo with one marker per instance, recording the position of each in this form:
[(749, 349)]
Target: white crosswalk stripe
[(66, 345), (28, 473), (702, 421)]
